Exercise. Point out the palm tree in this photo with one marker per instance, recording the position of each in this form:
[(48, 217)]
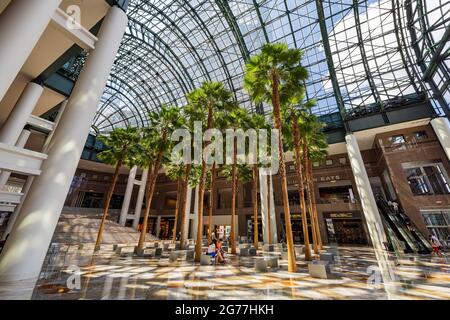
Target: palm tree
[(257, 122), (219, 122), (292, 118), (276, 76), (237, 118), (175, 171), (316, 150), (184, 211), (156, 142), (204, 101), (210, 185), (120, 144), (235, 173), (308, 183), (190, 115)]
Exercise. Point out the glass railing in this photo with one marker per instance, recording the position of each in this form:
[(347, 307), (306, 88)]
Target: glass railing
[(337, 199), (388, 147), (72, 68)]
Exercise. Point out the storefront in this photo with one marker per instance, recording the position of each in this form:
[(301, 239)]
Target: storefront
[(250, 227), (345, 227), (297, 228), (92, 200), (438, 223), (165, 226), (220, 225)]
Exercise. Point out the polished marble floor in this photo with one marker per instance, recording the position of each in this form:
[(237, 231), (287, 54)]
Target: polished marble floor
[(107, 275)]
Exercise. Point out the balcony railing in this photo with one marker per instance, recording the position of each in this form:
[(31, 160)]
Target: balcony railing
[(387, 147), (20, 160)]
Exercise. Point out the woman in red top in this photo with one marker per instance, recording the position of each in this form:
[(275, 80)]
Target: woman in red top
[(219, 251)]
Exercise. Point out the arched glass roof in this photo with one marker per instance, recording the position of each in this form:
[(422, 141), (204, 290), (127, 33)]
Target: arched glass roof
[(359, 53)]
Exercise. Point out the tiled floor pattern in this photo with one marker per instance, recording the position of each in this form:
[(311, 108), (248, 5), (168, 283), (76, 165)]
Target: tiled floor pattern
[(109, 276)]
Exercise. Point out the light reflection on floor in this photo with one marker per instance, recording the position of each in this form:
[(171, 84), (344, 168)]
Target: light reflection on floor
[(109, 276)]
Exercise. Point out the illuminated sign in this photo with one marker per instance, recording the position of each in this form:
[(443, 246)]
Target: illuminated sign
[(341, 215), (328, 178), (334, 178)]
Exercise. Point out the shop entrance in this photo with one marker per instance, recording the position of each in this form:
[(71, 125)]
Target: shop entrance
[(250, 228), (165, 227), (297, 228), (92, 200), (165, 231), (346, 228)]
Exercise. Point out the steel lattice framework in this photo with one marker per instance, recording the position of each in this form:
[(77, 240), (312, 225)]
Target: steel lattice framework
[(359, 53)]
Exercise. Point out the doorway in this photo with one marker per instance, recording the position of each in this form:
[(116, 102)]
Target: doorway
[(92, 200), (348, 231)]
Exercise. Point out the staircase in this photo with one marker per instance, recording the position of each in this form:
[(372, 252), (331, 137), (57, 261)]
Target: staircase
[(76, 226)]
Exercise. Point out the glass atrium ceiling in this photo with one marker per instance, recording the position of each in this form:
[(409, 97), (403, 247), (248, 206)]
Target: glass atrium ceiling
[(379, 51)]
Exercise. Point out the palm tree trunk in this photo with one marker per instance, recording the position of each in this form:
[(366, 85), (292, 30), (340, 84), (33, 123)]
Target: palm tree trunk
[(316, 216), (269, 224), (177, 208), (183, 206), (211, 200), (201, 194), (308, 190), (255, 205), (292, 265), (233, 198), (148, 202), (106, 206), (301, 188)]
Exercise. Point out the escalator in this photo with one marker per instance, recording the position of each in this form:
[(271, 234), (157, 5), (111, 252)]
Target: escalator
[(402, 233), (423, 244)]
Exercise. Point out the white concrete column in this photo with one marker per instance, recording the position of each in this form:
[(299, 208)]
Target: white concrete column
[(370, 211), (188, 210), (264, 206), (441, 127), (21, 25), (195, 218), (127, 196), (273, 220), (23, 138), (30, 179), (25, 250), (140, 199), (368, 202), (18, 118), (56, 123), (158, 226)]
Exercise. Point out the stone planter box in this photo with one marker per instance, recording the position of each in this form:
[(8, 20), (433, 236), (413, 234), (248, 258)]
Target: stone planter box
[(260, 265), (319, 269), (327, 256), (205, 260), (272, 262), (244, 252), (173, 256)]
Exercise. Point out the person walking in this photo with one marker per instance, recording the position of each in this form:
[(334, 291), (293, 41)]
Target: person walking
[(395, 207), (436, 244)]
